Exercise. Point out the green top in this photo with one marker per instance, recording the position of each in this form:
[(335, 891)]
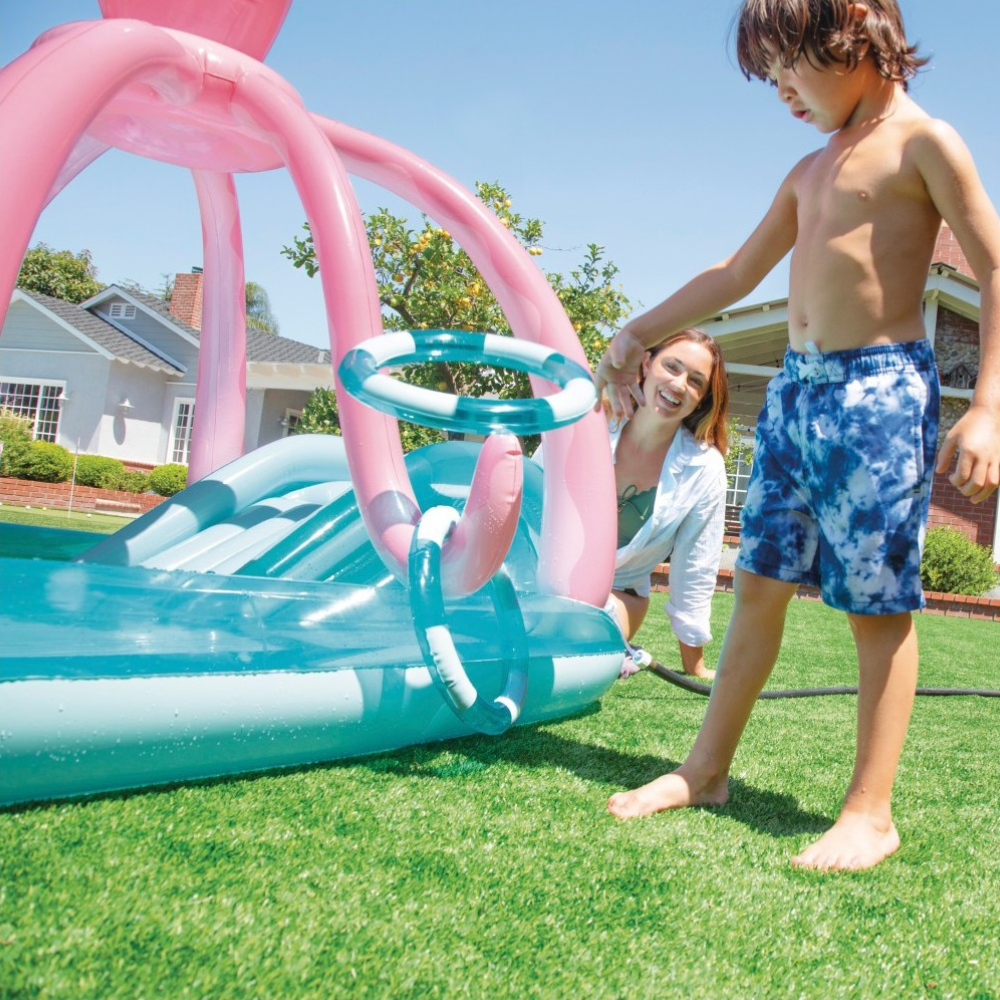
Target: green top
[(634, 509)]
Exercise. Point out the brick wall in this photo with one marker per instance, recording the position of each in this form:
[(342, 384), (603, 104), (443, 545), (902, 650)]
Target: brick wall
[(953, 605), (24, 492), (947, 251), (185, 300), (952, 510)]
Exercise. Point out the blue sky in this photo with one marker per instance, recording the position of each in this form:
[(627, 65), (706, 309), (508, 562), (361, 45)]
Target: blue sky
[(622, 123)]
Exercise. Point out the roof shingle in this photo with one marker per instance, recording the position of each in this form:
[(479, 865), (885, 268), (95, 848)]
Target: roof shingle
[(102, 333)]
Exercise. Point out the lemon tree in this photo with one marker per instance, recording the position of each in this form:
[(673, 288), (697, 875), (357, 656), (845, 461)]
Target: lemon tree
[(426, 281)]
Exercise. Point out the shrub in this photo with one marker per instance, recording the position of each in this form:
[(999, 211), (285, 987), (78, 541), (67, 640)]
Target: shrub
[(166, 480), (47, 463), (129, 481), (954, 564), (15, 433), (97, 470)]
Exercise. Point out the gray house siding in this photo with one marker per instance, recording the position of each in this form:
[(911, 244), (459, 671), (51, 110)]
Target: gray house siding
[(119, 381), (152, 332), (28, 329), (133, 433)]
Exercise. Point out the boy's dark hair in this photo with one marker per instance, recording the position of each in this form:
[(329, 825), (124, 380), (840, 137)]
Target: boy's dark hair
[(826, 32)]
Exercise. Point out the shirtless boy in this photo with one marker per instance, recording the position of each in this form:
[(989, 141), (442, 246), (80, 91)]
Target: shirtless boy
[(846, 440)]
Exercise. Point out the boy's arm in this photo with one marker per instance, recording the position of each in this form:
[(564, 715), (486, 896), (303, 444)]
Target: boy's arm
[(958, 194), (703, 296)]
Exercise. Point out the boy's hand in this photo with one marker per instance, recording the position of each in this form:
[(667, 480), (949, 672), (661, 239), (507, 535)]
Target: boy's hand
[(617, 374), (976, 440)]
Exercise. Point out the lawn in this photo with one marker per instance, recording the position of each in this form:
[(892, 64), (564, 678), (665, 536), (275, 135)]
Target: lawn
[(487, 867), (73, 520)]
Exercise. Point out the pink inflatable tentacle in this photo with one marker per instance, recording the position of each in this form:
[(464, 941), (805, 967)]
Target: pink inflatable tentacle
[(480, 540), (578, 540), (372, 443), (84, 153), (42, 48), (70, 76), (220, 397)]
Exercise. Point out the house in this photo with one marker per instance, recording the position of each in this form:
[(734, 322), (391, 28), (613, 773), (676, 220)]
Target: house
[(115, 375), (753, 340)]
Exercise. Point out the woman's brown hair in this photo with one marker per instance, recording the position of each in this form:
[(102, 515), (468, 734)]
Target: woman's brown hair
[(826, 32), (708, 422)]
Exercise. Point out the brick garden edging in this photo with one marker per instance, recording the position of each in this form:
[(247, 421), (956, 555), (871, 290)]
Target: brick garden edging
[(26, 492), (953, 605)]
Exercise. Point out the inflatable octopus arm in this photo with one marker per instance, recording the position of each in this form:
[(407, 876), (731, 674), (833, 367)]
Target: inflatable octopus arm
[(577, 538)]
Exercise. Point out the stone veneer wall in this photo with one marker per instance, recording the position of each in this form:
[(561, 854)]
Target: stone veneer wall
[(956, 342)]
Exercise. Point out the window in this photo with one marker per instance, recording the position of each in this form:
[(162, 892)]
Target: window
[(291, 420), (122, 310), (736, 492), (183, 419), (39, 402)]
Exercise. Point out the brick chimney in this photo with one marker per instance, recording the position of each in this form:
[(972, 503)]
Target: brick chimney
[(947, 251), (185, 302)]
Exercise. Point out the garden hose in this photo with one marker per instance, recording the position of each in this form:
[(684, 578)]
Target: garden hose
[(690, 684)]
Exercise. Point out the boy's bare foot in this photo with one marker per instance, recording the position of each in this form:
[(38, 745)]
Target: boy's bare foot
[(854, 842), (669, 791)]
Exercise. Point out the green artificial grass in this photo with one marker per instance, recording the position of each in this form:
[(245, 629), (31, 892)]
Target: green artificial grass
[(75, 520), (489, 868)]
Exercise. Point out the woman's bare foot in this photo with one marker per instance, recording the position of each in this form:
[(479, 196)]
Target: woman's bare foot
[(669, 791), (854, 842), (701, 675)]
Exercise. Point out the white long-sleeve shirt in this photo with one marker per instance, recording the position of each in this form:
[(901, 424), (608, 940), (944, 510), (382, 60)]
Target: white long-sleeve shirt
[(686, 526)]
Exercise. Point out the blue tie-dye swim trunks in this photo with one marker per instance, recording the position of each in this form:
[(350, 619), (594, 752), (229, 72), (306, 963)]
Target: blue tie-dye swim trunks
[(841, 478)]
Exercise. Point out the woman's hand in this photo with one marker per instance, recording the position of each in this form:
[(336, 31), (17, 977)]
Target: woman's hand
[(618, 373)]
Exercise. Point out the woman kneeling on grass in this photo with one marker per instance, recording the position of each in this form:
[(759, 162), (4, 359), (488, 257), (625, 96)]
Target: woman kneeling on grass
[(670, 477)]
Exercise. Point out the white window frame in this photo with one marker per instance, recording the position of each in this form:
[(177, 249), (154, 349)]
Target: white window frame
[(45, 411), (737, 482), (290, 421), (180, 430)]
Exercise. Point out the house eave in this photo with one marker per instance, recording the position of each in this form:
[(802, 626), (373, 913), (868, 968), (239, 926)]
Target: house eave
[(288, 375), (954, 290)]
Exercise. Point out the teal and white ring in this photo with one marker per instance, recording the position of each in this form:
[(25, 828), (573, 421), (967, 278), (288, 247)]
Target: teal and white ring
[(437, 645), (360, 376)]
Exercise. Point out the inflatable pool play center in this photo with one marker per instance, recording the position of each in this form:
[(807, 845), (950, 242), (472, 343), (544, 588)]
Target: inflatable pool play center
[(320, 597)]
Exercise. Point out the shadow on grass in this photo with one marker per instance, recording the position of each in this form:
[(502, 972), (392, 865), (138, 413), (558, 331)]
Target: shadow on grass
[(532, 746)]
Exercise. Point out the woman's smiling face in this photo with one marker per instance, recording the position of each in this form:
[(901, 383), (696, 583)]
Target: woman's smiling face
[(677, 378)]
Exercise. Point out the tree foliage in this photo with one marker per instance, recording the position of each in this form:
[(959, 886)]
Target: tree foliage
[(740, 445), (426, 281), (258, 309), (59, 273), (319, 415)]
